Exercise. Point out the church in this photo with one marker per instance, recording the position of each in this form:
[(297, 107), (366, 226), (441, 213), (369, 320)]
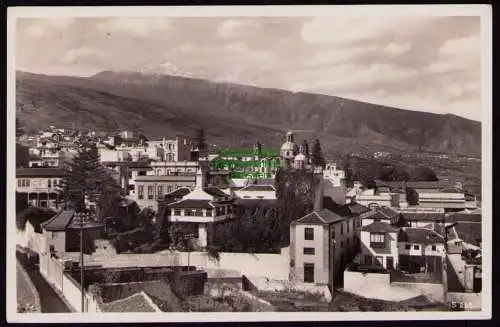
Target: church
[(293, 155)]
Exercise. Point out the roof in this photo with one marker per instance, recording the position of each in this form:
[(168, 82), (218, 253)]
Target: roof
[(259, 188), (357, 209), (180, 192), (419, 236), (139, 302), (379, 227), (388, 212), (171, 178), (40, 172), (214, 191), (59, 222), (410, 184), (192, 203), (422, 216), (378, 215), (383, 189), (321, 217)]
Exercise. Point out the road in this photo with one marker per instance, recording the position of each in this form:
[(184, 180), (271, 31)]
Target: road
[(50, 300)]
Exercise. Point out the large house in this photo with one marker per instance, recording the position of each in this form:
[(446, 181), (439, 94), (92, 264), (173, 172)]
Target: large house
[(198, 211), (321, 244), (40, 186)]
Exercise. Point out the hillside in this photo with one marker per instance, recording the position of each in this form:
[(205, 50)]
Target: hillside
[(235, 114)]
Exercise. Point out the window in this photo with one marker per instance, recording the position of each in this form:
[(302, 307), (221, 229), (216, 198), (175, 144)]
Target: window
[(433, 248), (209, 212), (49, 182), (142, 173), (308, 233), (309, 251), (368, 260), (407, 246), (151, 192), (347, 241), (198, 212), (348, 223), (333, 234), (160, 190), (130, 174), (169, 188), (342, 229), (377, 240), (177, 212), (19, 183), (308, 272), (140, 191), (341, 244), (416, 247)]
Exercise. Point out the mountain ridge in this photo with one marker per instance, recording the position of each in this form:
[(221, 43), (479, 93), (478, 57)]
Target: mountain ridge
[(270, 111)]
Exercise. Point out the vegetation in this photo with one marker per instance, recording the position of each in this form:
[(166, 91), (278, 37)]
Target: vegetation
[(317, 158), (36, 216), (22, 156), (140, 239), (86, 179)]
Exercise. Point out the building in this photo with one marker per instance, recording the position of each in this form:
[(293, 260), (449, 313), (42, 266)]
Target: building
[(200, 210), (379, 245), (321, 244), (164, 168), (41, 186), (61, 234), (177, 149), (149, 189), (334, 183), (288, 150), (256, 192), (420, 250)]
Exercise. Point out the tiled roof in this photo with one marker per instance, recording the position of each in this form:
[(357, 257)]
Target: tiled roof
[(214, 191), (321, 217), (258, 188), (192, 203), (139, 302), (341, 210), (422, 216), (59, 222), (419, 236), (40, 172), (388, 212), (357, 209), (379, 227), (378, 215)]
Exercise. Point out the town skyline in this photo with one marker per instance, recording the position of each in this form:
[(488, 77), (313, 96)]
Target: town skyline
[(417, 63)]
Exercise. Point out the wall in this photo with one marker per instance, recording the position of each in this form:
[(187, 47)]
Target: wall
[(321, 274), (434, 292), (363, 283), (57, 239)]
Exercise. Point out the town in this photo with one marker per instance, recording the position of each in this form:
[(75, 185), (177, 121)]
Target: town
[(121, 223)]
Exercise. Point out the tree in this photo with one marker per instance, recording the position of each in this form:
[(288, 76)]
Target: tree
[(86, 179), (200, 140), (317, 158)]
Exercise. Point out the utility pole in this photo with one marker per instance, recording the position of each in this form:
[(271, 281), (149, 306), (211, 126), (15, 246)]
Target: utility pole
[(82, 217)]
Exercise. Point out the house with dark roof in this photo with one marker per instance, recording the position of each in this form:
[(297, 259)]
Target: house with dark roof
[(61, 233), (199, 210), (428, 220), (420, 250), (256, 192), (382, 214), (379, 245), (321, 244)]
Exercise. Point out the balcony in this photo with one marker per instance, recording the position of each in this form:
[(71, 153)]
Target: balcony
[(377, 245)]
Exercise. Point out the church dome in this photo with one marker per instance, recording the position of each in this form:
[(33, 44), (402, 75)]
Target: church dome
[(288, 146)]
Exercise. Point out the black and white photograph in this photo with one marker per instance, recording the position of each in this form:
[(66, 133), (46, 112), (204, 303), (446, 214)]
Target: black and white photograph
[(214, 163)]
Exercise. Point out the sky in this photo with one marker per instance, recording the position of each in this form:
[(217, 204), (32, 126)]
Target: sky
[(418, 63)]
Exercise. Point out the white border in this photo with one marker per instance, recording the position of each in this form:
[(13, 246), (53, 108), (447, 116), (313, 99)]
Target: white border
[(484, 11)]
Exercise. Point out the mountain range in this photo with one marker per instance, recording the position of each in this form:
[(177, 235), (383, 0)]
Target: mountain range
[(165, 102)]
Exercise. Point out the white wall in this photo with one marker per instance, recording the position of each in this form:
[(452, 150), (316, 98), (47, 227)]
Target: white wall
[(242, 194), (391, 249), (440, 251), (359, 283), (318, 259)]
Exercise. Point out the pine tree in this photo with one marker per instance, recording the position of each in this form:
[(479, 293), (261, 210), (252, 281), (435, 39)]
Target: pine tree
[(317, 158), (87, 179), (200, 140)]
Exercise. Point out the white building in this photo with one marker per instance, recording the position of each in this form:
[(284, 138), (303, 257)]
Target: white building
[(267, 192), (40, 186)]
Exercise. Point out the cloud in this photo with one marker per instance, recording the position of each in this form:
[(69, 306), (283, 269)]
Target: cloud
[(136, 27), (47, 27), (230, 28), (457, 55), (74, 56)]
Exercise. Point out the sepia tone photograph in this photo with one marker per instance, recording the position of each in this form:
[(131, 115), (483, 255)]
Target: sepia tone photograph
[(293, 160)]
